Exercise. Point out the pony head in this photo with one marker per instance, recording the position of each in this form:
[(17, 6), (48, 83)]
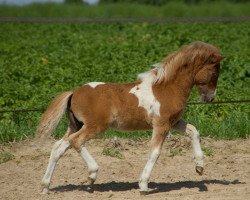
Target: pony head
[(200, 61), (206, 77)]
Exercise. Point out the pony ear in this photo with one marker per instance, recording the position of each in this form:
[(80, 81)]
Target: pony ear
[(216, 58)]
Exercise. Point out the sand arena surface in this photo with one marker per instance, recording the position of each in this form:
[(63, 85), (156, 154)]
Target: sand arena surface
[(226, 173)]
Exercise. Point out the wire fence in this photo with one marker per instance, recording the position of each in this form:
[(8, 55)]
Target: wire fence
[(190, 103), (23, 116), (123, 20)]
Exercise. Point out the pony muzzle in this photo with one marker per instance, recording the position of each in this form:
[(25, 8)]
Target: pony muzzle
[(209, 97)]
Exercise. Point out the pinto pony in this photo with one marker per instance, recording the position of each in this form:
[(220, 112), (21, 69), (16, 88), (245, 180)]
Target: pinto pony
[(155, 101)]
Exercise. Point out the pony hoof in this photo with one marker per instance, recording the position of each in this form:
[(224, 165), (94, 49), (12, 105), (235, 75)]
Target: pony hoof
[(88, 181), (199, 170), (143, 193), (45, 191)]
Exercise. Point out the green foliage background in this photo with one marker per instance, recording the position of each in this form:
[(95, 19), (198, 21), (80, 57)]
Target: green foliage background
[(40, 60), (163, 2), (126, 10)]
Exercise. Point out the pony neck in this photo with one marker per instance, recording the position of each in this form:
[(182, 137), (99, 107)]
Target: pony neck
[(184, 81), (178, 87)]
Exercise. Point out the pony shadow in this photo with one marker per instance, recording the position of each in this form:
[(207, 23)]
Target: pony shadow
[(157, 187)]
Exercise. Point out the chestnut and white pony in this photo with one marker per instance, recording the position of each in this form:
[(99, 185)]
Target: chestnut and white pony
[(155, 101)]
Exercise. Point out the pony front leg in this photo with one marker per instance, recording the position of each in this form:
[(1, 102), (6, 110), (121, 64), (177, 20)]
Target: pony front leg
[(194, 135), (145, 175), (159, 135)]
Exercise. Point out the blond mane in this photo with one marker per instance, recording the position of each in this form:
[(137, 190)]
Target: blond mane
[(195, 54)]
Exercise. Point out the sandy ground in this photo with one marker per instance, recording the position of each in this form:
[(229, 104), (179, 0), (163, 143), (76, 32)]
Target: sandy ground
[(226, 175)]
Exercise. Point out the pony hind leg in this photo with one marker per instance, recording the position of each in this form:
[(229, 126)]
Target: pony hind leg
[(76, 125), (194, 135), (92, 165), (59, 148), (78, 141)]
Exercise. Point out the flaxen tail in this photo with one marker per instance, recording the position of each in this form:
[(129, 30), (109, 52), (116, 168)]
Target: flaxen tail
[(53, 114)]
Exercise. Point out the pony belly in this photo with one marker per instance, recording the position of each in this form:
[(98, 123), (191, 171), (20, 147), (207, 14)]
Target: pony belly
[(131, 125)]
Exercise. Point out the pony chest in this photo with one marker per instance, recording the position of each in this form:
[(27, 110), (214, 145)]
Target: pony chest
[(146, 98)]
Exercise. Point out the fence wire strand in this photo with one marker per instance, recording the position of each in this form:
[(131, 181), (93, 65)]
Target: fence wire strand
[(122, 20), (189, 103)]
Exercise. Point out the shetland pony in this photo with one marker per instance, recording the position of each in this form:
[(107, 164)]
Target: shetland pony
[(155, 101)]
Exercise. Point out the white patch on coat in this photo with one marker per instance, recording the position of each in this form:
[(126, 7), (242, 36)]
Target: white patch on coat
[(94, 84), (145, 95), (145, 75)]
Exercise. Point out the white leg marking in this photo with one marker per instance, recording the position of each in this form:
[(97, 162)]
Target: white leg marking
[(143, 184), (94, 84), (91, 163), (195, 137), (58, 150)]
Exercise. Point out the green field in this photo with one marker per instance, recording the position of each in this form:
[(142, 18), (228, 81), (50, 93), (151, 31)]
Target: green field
[(40, 60), (172, 9)]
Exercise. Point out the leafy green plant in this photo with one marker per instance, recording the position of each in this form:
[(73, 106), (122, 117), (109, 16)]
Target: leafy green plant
[(112, 153), (128, 9), (208, 151), (40, 60), (175, 152), (6, 156)]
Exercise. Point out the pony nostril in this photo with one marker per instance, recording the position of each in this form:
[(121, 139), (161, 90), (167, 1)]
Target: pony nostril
[(212, 99)]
